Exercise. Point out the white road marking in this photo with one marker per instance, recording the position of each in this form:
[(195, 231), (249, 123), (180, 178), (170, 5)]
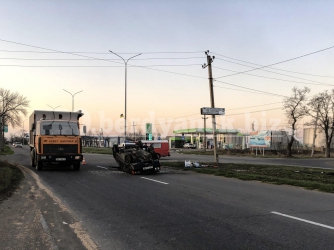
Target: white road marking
[(307, 221), (101, 167), (154, 180), (48, 233)]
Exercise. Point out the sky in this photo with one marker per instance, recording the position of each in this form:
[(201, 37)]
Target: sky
[(49, 46)]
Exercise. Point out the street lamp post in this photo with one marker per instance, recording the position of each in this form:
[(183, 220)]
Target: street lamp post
[(125, 63), (55, 107), (72, 97)]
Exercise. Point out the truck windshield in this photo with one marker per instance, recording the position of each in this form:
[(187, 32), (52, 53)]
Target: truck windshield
[(59, 128)]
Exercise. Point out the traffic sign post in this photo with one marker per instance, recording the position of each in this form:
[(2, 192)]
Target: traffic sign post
[(212, 111)]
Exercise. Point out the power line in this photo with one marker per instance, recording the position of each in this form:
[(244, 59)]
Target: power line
[(250, 88), (57, 51), (107, 53), (214, 80), (256, 105), (233, 109), (92, 66), (270, 72), (90, 59), (254, 111), (43, 66), (266, 66), (325, 84), (253, 92), (132, 65), (257, 111)]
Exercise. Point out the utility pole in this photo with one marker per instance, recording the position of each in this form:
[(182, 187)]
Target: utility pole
[(204, 139), (209, 61)]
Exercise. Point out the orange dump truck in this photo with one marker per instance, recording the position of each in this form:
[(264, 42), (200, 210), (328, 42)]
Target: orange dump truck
[(55, 139)]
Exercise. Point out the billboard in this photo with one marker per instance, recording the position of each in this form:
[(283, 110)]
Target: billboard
[(260, 139)]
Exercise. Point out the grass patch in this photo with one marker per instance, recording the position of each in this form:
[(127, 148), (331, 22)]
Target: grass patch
[(247, 152), (309, 178), (7, 151), (10, 178), (92, 150)]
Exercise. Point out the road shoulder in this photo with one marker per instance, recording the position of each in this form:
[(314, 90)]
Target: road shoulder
[(34, 219)]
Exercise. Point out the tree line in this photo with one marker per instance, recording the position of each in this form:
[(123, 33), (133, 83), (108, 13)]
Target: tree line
[(319, 108)]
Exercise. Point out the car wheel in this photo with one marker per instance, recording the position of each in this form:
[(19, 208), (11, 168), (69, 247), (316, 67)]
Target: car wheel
[(127, 159)]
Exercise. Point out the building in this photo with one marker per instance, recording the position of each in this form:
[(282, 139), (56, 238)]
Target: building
[(196, 136), (320, 140)]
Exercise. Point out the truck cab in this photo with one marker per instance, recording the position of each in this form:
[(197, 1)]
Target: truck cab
[(55, 139)]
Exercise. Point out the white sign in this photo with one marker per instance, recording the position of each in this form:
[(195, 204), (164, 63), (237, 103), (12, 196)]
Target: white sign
[(212, 111)]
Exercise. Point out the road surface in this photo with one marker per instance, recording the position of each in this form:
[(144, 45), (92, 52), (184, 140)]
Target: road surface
[(184, 210)]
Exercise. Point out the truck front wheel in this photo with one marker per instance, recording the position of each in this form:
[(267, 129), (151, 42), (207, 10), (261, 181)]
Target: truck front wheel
[(32, 159), (39, 166), (76, 166)]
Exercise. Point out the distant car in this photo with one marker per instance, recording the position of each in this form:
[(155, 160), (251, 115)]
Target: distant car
[(189, 145), (18, 145)]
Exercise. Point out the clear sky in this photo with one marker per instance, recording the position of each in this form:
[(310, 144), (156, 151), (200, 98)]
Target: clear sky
[(166, 88)]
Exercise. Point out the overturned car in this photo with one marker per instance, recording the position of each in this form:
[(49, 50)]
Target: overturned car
[(134, 159)]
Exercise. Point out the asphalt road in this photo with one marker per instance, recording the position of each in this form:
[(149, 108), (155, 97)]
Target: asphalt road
[(184, 210)]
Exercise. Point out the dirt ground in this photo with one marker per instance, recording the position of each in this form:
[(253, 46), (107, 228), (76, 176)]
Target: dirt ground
[(32, 219)]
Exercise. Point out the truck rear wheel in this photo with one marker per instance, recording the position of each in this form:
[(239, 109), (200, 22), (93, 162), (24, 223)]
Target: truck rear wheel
[(76, 166)]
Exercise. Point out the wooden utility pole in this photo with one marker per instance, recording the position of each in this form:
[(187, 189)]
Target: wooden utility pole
[(209, 61), (204, 139)]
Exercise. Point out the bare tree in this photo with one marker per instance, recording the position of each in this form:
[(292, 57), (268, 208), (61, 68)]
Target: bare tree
[(12, 107), (140, 134), (295, 109), (321, 109)]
